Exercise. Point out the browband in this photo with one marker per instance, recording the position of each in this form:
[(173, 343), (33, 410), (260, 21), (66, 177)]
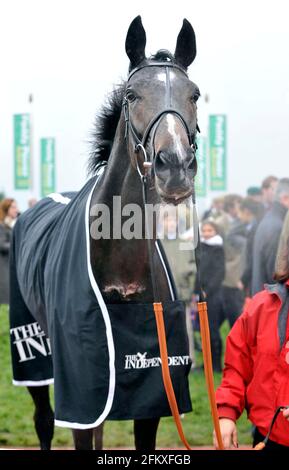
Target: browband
[(157, 64)]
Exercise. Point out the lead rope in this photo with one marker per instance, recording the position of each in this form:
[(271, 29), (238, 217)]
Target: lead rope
[(208, 368), (158, 310), (206, 346)]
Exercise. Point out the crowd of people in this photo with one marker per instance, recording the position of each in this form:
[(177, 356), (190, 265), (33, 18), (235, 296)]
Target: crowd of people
[(255, 232), (239, 238), (250, 229)]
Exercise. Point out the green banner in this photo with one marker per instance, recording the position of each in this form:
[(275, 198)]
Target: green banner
[(22, 151), (218, 157), (201, 178), (47, 150)]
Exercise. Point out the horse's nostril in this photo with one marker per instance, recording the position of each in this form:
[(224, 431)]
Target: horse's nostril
[(160, 160), (162, 166), (192, 164)]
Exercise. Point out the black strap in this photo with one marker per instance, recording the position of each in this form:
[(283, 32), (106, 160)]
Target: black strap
[(157, 64), (280, 408), (168, 268), (198, 256), (150, 239)]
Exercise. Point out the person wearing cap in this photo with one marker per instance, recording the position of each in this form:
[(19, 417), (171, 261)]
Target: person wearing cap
[(255, 193)]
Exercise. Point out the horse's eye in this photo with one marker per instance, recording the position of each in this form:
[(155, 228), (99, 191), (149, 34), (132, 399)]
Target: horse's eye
[(196, 96), (131, 96)]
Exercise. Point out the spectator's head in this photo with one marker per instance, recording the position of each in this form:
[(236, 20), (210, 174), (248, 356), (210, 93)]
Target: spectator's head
[(209, 229), (268, 190), (8, 208), (250, 210), (254, 193), (232, 204), (218, 203), (31, 202), (282, 192)]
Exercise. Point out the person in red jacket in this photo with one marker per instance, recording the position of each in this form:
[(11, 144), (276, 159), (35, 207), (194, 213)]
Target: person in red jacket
[(256, 372)]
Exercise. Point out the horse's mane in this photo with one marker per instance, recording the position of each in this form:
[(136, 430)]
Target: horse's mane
[(107, 120), (105, 128)]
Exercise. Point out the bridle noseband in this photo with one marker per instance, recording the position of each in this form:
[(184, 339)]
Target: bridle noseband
[(140, 144)]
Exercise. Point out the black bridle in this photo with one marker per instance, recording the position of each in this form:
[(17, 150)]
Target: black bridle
[(140, 144)]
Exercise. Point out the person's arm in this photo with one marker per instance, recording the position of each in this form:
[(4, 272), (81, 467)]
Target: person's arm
[(270, 254), (4, 241), (258, 269), (247, 273), (238, 371)]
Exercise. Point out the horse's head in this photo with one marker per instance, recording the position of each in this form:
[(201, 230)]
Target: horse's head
[(161, 112)]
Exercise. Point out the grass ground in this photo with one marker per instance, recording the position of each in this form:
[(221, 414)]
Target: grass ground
[(16, 411)]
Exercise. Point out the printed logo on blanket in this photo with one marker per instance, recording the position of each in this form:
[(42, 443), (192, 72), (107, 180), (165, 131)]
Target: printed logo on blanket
[(141, 361), (30, 340)]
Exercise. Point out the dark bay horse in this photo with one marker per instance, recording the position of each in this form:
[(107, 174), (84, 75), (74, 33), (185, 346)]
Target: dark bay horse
[(148, 128)]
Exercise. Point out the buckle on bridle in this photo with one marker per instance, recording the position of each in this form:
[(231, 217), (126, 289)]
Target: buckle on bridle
[(146, 164)]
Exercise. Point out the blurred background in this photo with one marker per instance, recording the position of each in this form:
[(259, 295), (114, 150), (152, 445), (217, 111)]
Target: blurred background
[(59, 59)]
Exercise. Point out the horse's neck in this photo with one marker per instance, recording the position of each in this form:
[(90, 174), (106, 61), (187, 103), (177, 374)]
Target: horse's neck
[(121, 266)]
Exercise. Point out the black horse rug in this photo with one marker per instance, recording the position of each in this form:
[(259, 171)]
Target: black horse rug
[(106, 359)]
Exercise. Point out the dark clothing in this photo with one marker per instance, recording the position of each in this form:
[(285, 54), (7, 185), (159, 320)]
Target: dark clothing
[(214, 304), (265, 246), (5, 239), (232, 300), (212, 268), (212, 273), (248, 270)]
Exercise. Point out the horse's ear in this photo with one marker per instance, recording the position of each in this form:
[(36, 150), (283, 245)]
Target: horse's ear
[(186, 49), (135, 42)]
